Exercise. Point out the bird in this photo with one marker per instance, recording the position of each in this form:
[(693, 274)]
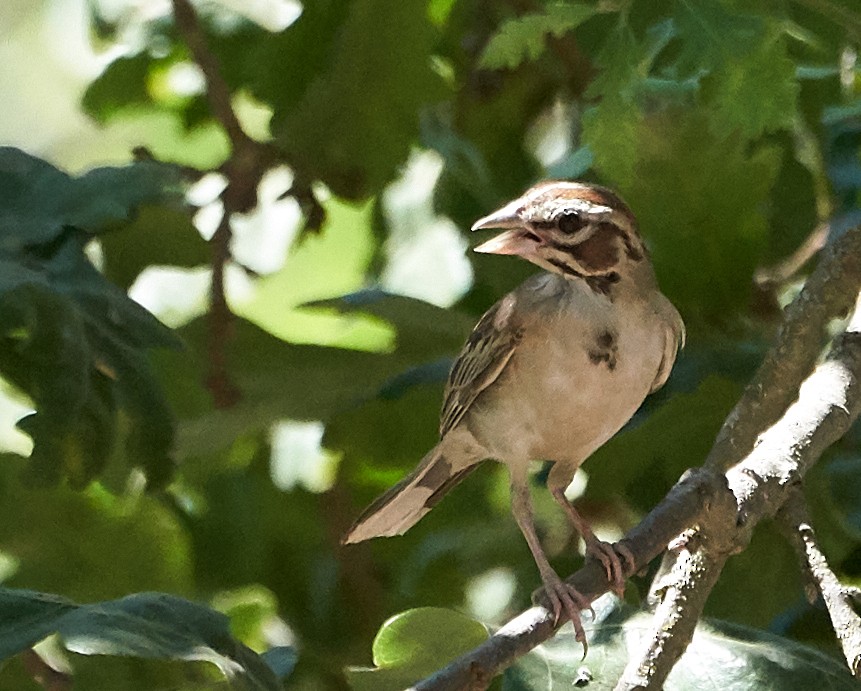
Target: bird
[(550, 372)]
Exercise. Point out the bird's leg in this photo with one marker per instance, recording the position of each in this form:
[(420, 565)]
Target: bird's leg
[(610, 556), (562, 596)]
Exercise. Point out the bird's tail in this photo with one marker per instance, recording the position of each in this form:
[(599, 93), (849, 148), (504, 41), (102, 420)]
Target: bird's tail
[(401, 507)]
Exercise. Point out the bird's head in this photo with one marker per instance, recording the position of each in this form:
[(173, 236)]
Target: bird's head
[(575, 229)]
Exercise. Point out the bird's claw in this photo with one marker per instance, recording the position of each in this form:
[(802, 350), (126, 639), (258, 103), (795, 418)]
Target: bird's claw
[(611, 557), (565, 598)]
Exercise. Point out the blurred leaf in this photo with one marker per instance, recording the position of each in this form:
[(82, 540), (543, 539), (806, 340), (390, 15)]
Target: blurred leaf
[(324, 265), (302, 52), (121, 85), (758, 92), (380, 65), (415, 643), (643, 461), (523, 38), (611, 129), (147, 625), (721, 656), (60, 538), (280, 380), (705, 250), (843, 473), (251, 611), (712, 34), (770, 591), (72, 341), (157, 235), (418, 323)]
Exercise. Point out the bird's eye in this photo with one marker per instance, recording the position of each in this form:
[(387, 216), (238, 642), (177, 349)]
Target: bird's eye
[(571, 222)]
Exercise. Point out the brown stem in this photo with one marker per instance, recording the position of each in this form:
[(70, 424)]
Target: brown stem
[(43, 674), (243, 174), (217, 90), (224, 393)]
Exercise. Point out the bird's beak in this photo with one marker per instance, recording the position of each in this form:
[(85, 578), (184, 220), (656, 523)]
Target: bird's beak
[(517, 238)]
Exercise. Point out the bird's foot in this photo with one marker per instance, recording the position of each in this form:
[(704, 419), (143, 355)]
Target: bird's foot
[(563, 597), (611, 557)]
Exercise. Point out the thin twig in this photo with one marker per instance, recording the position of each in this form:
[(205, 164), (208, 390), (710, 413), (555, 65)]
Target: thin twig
[(224, 392), (787, 268), (240, 194), (217, 90), (795, 523)]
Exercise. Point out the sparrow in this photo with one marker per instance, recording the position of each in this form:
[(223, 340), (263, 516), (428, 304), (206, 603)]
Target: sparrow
[(550, 372)]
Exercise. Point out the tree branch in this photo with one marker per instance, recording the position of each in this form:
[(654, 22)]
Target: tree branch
[(682, 597), (700, 493), (828, 293), (243, 170), (795, 523), (827, 402)]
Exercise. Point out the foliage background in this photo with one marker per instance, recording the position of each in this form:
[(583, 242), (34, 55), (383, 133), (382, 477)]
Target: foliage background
[(732, 129)]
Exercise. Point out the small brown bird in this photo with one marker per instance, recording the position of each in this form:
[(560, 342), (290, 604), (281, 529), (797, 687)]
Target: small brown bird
[(551, 371)]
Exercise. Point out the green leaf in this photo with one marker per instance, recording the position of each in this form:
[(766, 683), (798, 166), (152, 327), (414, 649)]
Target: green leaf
[(122, 85), (38, 201), (711, 35), (415, 643), (611, 129), (71, 340), (757, 92), (131, 542), (646, 459), (721, 656), (145, 625), (380, 65), (27, 618), (523, 38), (705, 250), (157, 235)]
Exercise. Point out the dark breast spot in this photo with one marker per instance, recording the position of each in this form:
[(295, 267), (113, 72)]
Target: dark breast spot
[(603, 283), (604, 350)]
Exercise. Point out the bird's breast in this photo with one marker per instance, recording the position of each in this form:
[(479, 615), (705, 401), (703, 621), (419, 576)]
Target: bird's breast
[(576, 377)]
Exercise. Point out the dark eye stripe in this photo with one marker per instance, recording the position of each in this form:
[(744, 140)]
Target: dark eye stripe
[(563, 267)]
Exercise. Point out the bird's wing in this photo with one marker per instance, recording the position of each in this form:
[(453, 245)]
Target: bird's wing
[(486, 353), (674, 340)]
